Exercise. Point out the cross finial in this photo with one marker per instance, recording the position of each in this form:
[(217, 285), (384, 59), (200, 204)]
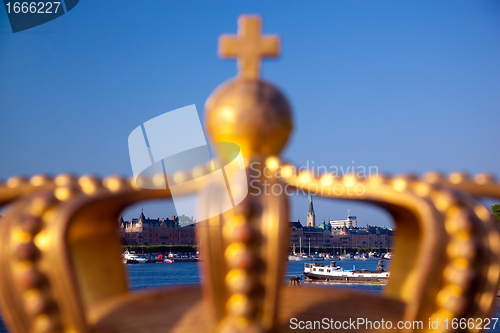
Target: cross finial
[(249, 46)]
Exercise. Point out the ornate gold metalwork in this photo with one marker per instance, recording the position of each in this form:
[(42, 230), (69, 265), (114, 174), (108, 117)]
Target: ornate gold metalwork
[(461, 278), (249, 46), (60, 251)]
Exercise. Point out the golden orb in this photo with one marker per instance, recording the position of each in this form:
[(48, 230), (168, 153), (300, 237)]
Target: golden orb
[(250, 113)]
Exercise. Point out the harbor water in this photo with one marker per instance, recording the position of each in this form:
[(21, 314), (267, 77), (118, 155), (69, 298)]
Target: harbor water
[(142, 276)]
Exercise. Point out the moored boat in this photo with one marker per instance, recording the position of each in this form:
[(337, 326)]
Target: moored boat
[(333, 273), (131, 258), (347, 256)]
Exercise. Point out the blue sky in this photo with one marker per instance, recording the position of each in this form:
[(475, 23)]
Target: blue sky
[(405, 86)]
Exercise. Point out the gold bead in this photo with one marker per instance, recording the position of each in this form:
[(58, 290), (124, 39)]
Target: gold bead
[(486, 300), (494, 242), (464, 219), (458, 220), (461, 263), (40, 180), (434, 177), (444, 200), (422, 189), (226, 326), (349, 181), (180, 177), (90, 184), (241, 322), (65, 180), (16, 181), (459, 276), (254, 328), (235, 249), (484, 178), (493, 273), (272, 163), (159, 181), (231, 224), (65, 193), (238, 281), (198, 171), (482, 212), (459, 178), (326, 180), (41, 202), (37, 303), (239, 256), (378, 180), (114, 183), (462, 249), (455, 304), (441, 314), (45, 323), (133, 183), (304, 177), (239, 305), (399, 184)]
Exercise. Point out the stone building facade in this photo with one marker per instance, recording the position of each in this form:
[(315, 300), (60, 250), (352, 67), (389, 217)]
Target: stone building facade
[(146, 231), (369, 237), (318, 236)]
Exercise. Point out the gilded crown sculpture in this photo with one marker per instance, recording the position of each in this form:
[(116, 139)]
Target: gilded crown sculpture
[(60, 253)]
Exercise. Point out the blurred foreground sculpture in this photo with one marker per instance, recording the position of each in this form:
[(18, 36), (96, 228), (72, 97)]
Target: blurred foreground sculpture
[(60, 262)]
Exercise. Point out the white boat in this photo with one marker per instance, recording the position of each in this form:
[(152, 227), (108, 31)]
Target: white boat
[(295, 256), (388, 256), (132, 258), (333, 273), (360, 257), (347, 256)]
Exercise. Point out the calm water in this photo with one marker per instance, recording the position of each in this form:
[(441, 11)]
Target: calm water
[(156, 275)]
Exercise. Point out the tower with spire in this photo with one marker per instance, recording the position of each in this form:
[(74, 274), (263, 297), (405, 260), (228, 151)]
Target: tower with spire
[(311, 217)]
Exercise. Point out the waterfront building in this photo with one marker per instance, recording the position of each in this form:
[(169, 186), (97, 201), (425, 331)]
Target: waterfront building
[(318, 236), (165, 231), (350, 222), (369, 237)]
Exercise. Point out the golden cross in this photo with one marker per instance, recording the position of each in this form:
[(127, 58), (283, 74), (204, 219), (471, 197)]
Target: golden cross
[(249, 46)]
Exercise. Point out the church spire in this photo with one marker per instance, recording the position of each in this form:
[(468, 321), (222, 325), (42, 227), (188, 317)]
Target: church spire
[(311, 217)]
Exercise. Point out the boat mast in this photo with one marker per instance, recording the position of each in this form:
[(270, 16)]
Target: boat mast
[(309, 246), (300, 245)]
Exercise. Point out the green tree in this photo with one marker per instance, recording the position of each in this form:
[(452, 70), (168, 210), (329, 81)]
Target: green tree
[(496, 211)]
